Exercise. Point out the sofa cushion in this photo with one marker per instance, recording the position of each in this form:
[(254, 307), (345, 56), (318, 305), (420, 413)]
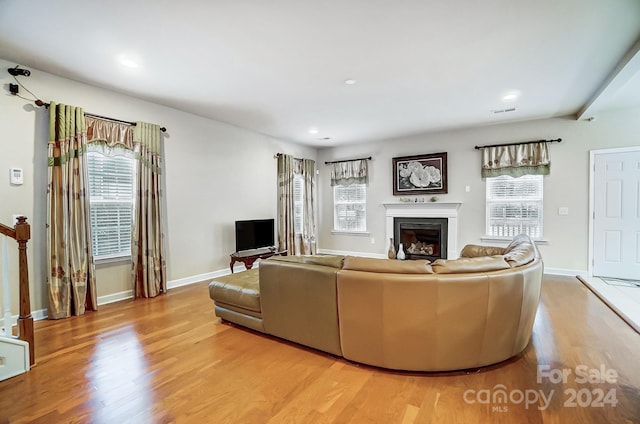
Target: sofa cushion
[(466, 265), (393, 266), (239, 290), (520, 251), (474, 250), (325, 260)]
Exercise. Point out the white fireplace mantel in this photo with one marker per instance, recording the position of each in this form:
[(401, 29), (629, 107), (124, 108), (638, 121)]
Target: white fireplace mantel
[(447, 210)]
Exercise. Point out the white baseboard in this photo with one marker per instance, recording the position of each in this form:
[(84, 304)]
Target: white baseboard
[(39, 314), (562, 271), (115, 297), (172, 284)]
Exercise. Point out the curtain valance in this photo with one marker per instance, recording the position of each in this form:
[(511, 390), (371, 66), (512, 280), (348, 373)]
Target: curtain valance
[(349, 172), (516, 160), (108, 137)]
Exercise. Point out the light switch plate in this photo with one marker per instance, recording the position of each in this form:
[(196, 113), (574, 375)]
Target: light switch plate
[(15, 176), (563, 210)]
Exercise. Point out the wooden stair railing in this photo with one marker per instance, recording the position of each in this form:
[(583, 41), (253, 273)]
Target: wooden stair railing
[(22, 233)]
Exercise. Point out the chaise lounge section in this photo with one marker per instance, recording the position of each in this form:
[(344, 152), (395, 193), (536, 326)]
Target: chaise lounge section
[(456, 314)]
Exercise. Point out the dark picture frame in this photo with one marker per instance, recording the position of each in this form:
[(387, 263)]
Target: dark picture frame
[(420, 174)]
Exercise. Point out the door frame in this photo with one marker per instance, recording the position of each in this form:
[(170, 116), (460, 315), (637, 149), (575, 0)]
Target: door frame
[(592, 158)]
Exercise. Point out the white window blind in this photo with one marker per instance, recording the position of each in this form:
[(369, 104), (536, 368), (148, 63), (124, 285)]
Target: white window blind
[(514, 206), (111, 181), (349, 203), (298, 199)]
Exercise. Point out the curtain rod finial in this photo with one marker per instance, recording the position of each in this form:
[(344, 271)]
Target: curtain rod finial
[(39, 103)]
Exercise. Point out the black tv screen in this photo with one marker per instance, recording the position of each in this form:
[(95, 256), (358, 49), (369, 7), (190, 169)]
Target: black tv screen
[(254, 234)]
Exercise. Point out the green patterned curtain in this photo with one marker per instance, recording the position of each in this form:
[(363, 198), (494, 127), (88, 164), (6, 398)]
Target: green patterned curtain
[(516, 160), (147, 245), (286, 216), (70, 280)]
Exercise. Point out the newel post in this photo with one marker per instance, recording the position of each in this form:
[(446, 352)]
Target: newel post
[(25, 320)]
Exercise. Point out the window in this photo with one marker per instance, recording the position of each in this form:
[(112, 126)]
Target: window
[(111, 181), (298, 200), (349, 207), (514, 206)]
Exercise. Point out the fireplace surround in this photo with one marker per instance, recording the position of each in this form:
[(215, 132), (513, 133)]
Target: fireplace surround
[(443, 211)]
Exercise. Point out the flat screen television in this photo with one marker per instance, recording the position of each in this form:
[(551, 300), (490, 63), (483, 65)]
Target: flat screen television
[(254, 234)]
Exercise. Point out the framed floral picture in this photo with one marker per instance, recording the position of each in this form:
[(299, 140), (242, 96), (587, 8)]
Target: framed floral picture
[(420, 174)]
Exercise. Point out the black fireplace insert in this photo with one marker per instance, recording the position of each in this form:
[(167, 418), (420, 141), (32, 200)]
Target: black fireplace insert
[(421, 238)]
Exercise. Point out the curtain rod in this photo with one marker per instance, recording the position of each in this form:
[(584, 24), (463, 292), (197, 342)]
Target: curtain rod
[(329, 162), (557, 140), (93, 115), (280, 154)]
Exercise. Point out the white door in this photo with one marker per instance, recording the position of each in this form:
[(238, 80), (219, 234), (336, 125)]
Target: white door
[(616, 220)]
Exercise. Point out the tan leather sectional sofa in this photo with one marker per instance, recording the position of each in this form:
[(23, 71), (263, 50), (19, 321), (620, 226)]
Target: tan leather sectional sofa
[(464, 313)]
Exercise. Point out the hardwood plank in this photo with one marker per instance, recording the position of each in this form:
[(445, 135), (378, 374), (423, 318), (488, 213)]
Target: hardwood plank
[(169, 359)]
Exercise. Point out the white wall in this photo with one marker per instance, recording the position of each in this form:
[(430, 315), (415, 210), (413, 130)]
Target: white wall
[(215, 174), (568, 184)]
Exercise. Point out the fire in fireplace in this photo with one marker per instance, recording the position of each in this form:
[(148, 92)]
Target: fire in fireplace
[(422, 238)]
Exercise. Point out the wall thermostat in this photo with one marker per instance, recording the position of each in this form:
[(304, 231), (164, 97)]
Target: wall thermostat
[(15, 176)]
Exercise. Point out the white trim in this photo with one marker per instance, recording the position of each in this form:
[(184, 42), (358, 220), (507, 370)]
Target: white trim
[(39, 314), (350, 233), (348, 253), (115, 297), (615, 150), (172, 284), (592, 161), (563, 271), (111, 259)]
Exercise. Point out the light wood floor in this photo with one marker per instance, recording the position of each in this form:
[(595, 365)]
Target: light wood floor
[(169, 359)]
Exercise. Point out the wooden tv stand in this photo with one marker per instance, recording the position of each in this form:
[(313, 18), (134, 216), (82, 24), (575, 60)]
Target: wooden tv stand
[(248, 257)]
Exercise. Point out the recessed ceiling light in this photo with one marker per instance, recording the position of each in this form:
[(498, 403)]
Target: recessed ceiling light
[(511, 96), (128, 62), (313, 130), (349, 81)]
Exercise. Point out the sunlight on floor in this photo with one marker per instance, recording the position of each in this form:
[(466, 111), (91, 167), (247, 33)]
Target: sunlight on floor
[(119, 371)]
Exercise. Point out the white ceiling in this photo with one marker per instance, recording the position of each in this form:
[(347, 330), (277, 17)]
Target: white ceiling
[(278, 67)]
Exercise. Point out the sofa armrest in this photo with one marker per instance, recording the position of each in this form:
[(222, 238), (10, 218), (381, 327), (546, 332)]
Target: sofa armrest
[(474, 250), (299, 303)]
